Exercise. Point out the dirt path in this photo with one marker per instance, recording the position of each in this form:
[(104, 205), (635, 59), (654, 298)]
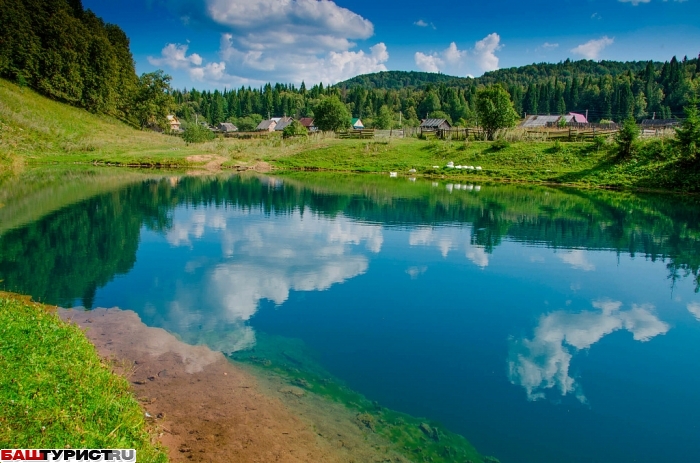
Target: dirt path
[(210, 410)]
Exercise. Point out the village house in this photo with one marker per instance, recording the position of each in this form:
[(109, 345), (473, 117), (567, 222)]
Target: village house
[(357, 124), (227, 127), (548, 120), (308, 122), (431, 125), (283, 123), (267, 126), (173, 123)]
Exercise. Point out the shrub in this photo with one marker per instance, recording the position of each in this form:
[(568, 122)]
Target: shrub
[(627, 137), (295, 129), (196, 133), (688, 134), (599, 142), (500, 144)]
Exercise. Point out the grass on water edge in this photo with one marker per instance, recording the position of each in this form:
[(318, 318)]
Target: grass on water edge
[(56, 392)]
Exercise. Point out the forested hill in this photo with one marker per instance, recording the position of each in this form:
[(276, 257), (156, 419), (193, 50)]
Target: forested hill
[(69, 54), (523, 75), (396, 80)]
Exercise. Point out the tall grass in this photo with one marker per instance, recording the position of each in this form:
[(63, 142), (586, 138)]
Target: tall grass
[(55, 392)]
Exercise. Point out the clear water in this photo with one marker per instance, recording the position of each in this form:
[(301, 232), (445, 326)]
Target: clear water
[(544, 325)]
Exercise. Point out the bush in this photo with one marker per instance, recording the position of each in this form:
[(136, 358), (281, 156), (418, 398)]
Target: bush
[(627, 137), (295, 129), (196, 133), (599, 142), (500, 144)]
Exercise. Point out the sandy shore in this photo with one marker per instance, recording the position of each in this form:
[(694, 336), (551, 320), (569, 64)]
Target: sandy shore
[(208, 409)]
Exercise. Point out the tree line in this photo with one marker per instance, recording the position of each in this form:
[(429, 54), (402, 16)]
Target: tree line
[(70, 54), (606, 91)]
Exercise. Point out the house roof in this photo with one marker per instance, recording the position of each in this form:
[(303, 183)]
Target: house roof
[(540, 121), (227, 127), (172, 118), (660, 122), (356, 121), (266, 125), (433, 123), (580, 118), (307, 121), (283, 122)]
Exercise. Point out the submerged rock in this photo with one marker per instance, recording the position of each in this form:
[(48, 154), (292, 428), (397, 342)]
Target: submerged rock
[(429, 431)]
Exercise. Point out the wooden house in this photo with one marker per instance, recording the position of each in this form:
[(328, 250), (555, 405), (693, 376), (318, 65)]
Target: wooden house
[(431, 125), (266, 126), (227, 127), (283, 123), (308, 122)]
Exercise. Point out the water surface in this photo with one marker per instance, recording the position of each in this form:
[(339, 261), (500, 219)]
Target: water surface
[(544, 325)]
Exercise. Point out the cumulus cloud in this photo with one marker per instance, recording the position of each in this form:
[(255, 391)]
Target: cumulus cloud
[(593, 48), (175, 56), (550, 46), (449, 239), (428, 63), (260, 260), (485, 52), (453, 60), (543, 363), (285, 40), (694, 309), (577, 259)]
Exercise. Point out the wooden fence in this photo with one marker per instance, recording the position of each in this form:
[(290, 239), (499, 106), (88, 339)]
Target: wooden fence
[(363, 134)]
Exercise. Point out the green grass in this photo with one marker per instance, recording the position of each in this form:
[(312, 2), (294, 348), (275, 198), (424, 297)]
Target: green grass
[(655, 165), (36, 130), (55, 392)]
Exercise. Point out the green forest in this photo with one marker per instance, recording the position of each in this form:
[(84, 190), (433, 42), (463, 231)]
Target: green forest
[(69, 54)]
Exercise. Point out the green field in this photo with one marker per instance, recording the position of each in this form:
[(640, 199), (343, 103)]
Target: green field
[(37, 131), (55, 392)]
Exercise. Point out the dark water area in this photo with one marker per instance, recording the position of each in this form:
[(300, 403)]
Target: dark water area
[(544, 325)]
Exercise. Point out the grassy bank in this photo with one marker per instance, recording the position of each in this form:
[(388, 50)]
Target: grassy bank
[(35, 130), (55, 392)]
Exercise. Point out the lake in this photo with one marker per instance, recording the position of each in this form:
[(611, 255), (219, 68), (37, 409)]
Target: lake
[(544, 325)]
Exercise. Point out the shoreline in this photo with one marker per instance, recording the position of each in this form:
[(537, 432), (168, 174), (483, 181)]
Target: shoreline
[(208, 409)]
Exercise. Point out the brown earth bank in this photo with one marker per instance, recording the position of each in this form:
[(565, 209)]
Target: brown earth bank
[(207, 409)]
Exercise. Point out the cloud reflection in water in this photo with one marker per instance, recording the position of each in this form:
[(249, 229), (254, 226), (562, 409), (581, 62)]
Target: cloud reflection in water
[(543, 362), (261, 259)]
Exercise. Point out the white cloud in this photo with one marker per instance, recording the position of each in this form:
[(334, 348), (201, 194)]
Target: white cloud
[(542, 363), (577, 259), (428, 63), (596, 16), (260, 260), (453, 60), (284, 40), (175, 56), (550, 46), (421, 23), (694, 309), (485, 50), (634, 2), (415, 272), (593, 48), (478, 256)]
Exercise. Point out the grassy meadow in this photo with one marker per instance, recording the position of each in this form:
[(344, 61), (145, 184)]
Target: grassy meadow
[(56, 392), (37, 131)]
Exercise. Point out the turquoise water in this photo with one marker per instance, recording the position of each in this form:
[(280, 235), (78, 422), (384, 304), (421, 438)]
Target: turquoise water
[(544, 325)]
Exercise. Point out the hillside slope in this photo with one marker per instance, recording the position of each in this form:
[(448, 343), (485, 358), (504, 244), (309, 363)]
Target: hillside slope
[(36, 129)]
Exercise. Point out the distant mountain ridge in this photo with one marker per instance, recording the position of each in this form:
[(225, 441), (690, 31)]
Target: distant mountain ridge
[(522, 75)]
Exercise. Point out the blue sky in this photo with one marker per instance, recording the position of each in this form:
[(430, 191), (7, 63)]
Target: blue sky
[(229, 43)]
